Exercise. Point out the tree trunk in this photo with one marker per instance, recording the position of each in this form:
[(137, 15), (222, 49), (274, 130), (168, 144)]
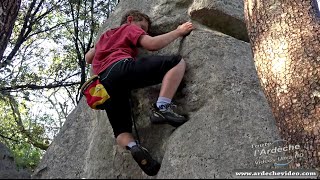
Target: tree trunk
[(8, 13), (285, 39)]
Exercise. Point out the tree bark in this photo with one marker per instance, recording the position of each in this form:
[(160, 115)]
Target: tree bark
[(8, 14), (285, 39)]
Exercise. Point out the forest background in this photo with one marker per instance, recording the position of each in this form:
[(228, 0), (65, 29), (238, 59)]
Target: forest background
[(42, 67)]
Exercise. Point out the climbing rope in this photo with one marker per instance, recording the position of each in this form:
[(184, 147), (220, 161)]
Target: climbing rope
[(134, 121)]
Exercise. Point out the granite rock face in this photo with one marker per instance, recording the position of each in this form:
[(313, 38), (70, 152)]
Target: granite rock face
[(8, 168), (220, 94)]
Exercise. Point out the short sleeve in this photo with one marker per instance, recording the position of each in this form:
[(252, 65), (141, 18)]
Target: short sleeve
[(133, 33)]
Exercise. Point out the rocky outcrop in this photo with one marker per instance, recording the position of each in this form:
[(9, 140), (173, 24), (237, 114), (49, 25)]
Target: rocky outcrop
[(8, 168), (221, 94), (225, 16)]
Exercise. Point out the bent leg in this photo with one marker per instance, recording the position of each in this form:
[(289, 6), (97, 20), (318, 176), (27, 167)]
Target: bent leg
[(119, 113), (118, 109), (151, 70), (172, 80)]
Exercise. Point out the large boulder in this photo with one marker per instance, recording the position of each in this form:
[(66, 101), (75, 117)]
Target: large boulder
[(225, 16), (8, 167), (220, 94)]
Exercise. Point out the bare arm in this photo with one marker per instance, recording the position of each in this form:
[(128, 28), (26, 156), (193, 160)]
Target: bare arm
[(89, 55), (161, 41)]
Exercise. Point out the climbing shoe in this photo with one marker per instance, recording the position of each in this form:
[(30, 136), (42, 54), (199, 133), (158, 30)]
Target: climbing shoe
[(166, 115), (144, 160)]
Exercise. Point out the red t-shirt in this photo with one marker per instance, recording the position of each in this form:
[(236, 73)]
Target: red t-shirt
[(116, 44)]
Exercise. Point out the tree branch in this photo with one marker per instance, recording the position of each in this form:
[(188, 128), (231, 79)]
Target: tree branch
[(36, 10), (91, 27), (25, 31), (49, 29), (34, 86), (8, 14), (5, 137), (29, 21), (70, 96), (17, 117)]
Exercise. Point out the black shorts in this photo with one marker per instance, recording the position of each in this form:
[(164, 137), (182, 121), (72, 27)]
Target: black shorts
[(126, 75)]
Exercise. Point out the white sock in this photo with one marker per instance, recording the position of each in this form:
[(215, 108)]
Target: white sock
[(131, 144), (162, 101)]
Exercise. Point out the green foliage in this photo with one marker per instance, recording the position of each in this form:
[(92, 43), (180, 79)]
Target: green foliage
[(25, 154), (52, 53)]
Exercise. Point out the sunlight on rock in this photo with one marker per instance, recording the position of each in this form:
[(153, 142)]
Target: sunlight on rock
[(310, 128), (278, 67), (316, 94), (280, 62), (250, 8)]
